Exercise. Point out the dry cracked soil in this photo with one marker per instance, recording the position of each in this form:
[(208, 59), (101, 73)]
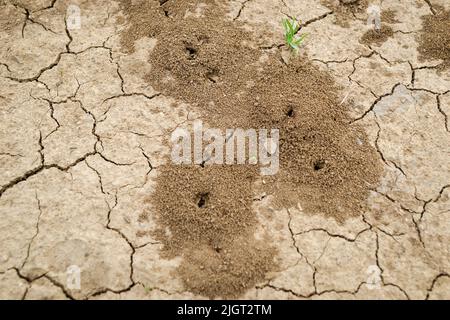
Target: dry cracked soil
[(90, 92)]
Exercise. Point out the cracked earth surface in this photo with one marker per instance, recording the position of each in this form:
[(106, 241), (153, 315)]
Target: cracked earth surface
[(82, 136)]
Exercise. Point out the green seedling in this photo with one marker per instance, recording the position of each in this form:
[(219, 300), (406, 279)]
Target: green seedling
[(291, 27)]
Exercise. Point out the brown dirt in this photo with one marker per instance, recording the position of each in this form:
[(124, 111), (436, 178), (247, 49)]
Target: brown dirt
[(378, 37), (216, 67), (211, 204), (434, 40), (389, 16), (345, 11), (232, 270), (208, 213)]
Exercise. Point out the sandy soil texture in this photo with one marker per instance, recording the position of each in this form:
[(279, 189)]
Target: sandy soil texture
[(91, 90)]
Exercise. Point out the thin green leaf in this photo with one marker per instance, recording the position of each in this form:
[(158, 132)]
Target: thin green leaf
[(291, 27)]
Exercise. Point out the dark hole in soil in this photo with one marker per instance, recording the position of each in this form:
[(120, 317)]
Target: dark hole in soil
[(191, 52), (290, 112), (319, 164), (203, 198)]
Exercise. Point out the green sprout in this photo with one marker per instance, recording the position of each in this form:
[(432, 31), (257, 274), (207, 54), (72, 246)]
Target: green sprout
[(291, 27)]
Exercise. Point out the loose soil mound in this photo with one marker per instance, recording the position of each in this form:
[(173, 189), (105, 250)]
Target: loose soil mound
[(389, 16), (215, 65), (346, 10), (434, 40), (378, 37), (205, 215), (211, 204)]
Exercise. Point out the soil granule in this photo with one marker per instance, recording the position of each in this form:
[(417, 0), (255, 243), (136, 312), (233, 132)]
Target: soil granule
[(346, 10), (204, 212), (389, 16), (434, 39), (377, 37)]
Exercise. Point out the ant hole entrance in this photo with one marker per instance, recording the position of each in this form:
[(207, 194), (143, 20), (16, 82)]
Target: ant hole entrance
[(166, 12), (202, 199), (191, 52), (318, 165), (290, 112)]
